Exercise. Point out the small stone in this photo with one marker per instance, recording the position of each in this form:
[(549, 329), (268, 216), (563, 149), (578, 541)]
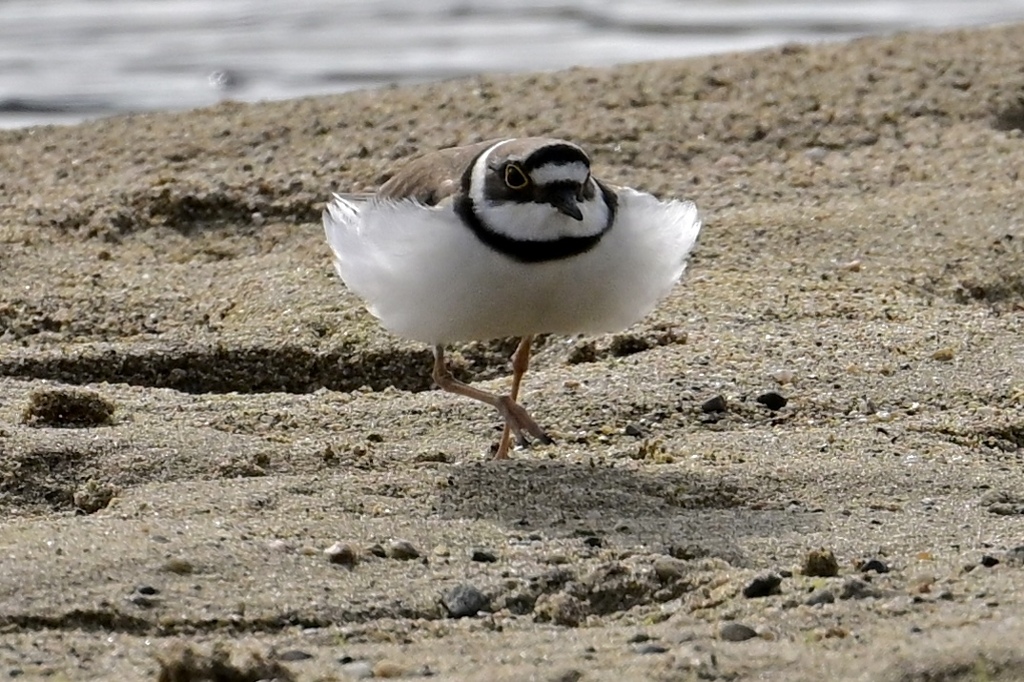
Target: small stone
[(342, 554), (988, 561), (1015, 557), (772, 400), (148, 590), (874, 565), (593, 541), (142, 600), (820, 563), (377, 551), (388, 670), (944, 355), (559, 608), (294, 655), (567, 676), (763, 585), (651, 649), (784, 376), (820, 597), (402, 550), (668, 568), (485, 556), (94, 496), (633, 430), (357, 670), (714, 405), (639, 638), (736, 632), (855, 588), (464, 601), (178, 566)]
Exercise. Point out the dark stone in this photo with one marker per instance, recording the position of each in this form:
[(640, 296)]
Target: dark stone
[(855, 588), (294, 655), (463, 601), (715, 405), (772, 400), (736, 632), (875, 565), (1015, 557), (763, 586), (485, 556), (651, 649), (988, 561), (820, 597)]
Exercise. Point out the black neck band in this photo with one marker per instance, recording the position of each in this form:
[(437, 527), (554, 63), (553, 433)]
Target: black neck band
[(534, 250)]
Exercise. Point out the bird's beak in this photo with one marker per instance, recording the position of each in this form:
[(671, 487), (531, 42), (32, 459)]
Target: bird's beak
[(564, 199)]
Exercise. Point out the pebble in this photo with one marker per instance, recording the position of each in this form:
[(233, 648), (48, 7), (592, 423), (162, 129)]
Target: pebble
[(736, 632), (633, 430), (567, 676), (342, 554), (772, 400), (294, 655), (823, 596), (820, 563), (485, 556), (855, 588), (784, 376), (559, 608), (875, 565), (1015, 557), (988, 561), (402, 550), (463, 601), (651, 649), (668, 568), (714, 405), (357, 670), (388, 670), (763, 586), (178, 566), (377, 551)]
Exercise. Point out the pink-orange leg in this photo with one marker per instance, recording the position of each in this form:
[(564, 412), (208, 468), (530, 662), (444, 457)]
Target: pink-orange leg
[(518, 422), (520, 363)]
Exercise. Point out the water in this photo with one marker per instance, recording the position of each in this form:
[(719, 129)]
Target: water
[(62, 61)]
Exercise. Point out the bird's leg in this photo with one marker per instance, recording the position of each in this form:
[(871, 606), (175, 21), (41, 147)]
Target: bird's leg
[(517, 420), (520, 363)]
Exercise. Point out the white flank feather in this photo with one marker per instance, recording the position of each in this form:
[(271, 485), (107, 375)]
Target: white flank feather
[(424, 274)]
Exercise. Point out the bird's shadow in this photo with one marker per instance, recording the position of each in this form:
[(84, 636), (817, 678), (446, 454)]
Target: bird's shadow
[(662, 508)]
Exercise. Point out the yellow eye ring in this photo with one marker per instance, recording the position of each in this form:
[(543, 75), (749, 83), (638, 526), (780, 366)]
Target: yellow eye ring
[(515, 178)]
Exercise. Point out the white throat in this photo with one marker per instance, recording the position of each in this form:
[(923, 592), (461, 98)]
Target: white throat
[(531, 221)]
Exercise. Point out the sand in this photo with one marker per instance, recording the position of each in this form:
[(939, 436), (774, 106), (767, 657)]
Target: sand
[(192, 407)]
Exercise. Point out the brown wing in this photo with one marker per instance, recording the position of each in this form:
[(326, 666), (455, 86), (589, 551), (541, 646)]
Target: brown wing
[(434, 176)]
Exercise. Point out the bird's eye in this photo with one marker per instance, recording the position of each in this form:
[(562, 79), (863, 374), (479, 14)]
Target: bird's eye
[(515, 178)]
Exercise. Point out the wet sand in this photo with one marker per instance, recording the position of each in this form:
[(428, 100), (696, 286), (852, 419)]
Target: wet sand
[(192, 407)]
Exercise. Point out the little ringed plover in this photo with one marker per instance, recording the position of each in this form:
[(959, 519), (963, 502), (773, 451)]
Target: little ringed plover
[(507, 238)]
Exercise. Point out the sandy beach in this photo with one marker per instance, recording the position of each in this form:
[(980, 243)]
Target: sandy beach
[(193, 408)]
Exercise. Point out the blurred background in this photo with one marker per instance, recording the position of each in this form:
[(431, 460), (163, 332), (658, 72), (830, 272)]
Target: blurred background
[(63, 61)]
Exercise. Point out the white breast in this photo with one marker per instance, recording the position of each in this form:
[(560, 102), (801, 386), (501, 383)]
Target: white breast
[(427, 277)]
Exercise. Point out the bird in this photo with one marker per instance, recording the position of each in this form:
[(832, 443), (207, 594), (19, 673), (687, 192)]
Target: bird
[(507, 238)]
